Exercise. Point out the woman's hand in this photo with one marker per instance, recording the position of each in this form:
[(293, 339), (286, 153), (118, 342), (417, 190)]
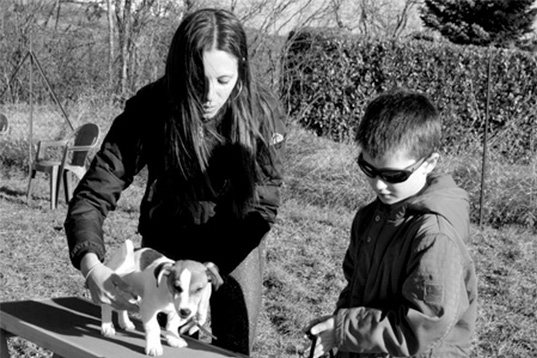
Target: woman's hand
[(106, 287), (323, 330)]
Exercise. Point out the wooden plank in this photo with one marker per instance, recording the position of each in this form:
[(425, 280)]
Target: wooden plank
[(71, 327)]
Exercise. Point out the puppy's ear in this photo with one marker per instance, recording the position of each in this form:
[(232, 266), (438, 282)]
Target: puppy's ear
[(162, 269), (214, 276)]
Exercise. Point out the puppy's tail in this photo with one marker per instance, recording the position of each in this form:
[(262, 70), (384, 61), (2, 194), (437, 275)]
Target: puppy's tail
[(122, 260)]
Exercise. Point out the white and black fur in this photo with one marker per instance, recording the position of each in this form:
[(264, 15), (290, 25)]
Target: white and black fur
[(181, 289)]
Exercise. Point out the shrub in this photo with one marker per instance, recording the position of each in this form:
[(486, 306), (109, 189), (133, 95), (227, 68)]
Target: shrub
[(329, 77), (14, 154)]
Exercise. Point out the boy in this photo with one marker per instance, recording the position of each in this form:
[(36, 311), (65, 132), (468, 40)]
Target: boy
[(411, 284)]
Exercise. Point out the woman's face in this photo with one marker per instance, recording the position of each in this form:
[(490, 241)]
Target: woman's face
[(221, 73)]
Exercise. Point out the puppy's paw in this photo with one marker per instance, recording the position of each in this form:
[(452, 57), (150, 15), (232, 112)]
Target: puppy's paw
[(126, 323), (175, 341), (129, 326), (154, 349), (107, 329)]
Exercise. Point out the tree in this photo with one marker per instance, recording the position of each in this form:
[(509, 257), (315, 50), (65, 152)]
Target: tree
[(480, 22), (374, 18), (111, 52), (132, 20)]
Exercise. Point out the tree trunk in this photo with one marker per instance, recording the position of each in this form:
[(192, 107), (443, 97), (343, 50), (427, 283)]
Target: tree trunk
[(123, 17), (111, 52)]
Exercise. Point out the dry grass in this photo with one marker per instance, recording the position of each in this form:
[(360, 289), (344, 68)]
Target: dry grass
[(304, 251)]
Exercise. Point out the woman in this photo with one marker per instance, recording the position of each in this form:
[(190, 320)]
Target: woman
[(210, 138)]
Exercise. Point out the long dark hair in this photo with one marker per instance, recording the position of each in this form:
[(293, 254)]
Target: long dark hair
[(247, 116)]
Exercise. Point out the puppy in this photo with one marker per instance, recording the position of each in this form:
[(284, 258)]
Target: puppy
[(181, 289)]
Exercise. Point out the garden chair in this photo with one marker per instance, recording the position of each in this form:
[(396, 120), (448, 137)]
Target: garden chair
[(73, 152), (4, 124)]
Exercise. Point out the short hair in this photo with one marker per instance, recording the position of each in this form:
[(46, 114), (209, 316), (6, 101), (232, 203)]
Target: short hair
[(400, 120)]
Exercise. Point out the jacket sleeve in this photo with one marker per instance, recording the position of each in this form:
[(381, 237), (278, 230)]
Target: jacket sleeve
[(268, 187), (348, 268), (433, 294), (111, 171)]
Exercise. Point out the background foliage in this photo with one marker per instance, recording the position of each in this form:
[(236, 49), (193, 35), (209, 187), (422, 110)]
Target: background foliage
[(502, 23), (329, 77)]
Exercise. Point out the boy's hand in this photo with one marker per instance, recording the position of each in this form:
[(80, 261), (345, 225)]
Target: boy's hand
[(323, 329)]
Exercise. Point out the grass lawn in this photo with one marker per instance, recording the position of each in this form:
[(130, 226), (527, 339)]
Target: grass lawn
[(304, 252)]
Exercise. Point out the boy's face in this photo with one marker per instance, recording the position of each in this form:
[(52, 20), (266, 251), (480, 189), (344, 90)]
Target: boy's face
[(392, 193)]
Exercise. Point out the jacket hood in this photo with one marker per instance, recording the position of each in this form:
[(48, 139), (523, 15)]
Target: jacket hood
[(443, 197)]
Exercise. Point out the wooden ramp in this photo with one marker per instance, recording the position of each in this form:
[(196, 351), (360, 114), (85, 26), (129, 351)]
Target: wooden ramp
[(71, 328)]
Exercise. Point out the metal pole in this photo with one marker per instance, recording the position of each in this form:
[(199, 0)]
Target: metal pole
[(34, 59), (485, 140), (14, 73), (31, 131)]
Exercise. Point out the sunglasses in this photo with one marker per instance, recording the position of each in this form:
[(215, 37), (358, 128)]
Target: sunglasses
[(392, 176)]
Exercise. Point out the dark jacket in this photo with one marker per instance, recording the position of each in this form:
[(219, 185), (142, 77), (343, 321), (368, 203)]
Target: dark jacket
[(412, 287), (205, 230)]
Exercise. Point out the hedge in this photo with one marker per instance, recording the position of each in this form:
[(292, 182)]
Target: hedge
[(329, 77)]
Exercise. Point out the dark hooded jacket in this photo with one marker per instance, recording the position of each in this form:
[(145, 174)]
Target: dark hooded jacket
[(205, 230), (412, 288)]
